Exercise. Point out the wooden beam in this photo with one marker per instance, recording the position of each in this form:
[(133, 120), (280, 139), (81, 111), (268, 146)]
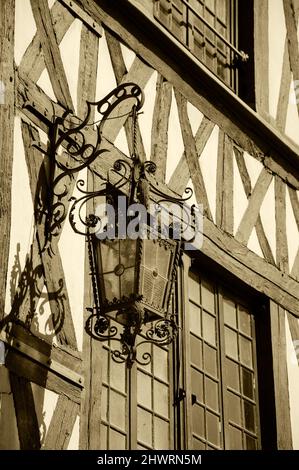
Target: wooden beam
[(284, 91), (250, 216), (33, 62), (291, 8), (7, 15), (261, 56), (139, 73), (61, 425), (294, 329), (159, 134), (191, 154), (50, 48), (27, 423), (181, 174), (46, 378), (225, 184), (263, 241), (88, 63), (282, 256), (120, 71), (280, 373)]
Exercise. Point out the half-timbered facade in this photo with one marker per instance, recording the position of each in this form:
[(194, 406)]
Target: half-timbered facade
[(221, 81)]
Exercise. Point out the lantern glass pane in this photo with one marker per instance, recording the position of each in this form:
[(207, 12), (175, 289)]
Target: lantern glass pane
[(155, 271)]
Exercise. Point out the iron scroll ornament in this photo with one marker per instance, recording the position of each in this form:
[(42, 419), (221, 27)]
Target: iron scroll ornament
[(137, 176)]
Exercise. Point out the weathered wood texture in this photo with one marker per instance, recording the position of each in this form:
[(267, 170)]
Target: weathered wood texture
[(27, 423), (251, 214), (282, 257), (263, 241), (225, 184), (261, 57), (291, 8), (159, 134), (181, 175), (61, 425), (50, 48), (120, 72), (6, 137), (280, 372), (191, 155), (33, 62)]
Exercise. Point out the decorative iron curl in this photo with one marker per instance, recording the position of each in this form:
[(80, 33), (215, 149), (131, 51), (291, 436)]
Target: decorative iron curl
[(99, 328)]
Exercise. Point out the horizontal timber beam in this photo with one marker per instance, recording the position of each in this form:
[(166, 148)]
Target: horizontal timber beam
[(59, 361)]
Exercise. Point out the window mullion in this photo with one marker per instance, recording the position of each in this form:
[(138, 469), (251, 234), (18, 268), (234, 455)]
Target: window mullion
[(222, 368), (132, 406)]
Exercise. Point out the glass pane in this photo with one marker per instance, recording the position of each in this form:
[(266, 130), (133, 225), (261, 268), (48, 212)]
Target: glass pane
[(197, 384), (111, 285), (118, 376), (198, 445), (251, 444), (247, 380), (244, 321), (213, 428), (207, 296), (235, 439), (231, 343), (210, 360), (104, 403), (109, 254), (127, 252), (211, 394), (161, 434), (196, 351), (127, 282), (144, 426), (194, 318), (232, 375), (117, 440), (229, 310), (249, 415), (209, 328), (245, 351), (103, 432), (160, 363), (144, 387), (234, 408), (117, 410), (198, 423), (161, 398), (194, 288)]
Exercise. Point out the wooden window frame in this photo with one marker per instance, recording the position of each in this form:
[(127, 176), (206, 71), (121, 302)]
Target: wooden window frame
[(272, 382)]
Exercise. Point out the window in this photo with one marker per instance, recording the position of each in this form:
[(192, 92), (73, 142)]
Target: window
[(209, 29), (202, 391), (137, 404), (223, 369)]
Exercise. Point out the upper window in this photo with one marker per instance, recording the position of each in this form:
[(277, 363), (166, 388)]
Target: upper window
[(209, 29)]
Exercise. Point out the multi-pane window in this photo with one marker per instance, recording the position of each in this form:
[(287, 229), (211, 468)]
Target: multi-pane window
[(208, 28), (223, 369), (137, 403)]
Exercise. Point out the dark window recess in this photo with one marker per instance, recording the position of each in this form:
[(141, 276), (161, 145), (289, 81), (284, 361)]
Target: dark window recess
[(211, 31)]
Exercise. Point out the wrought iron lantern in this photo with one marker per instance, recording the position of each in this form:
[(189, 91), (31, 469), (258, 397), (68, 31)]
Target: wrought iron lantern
[(132, 274)]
